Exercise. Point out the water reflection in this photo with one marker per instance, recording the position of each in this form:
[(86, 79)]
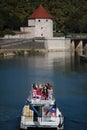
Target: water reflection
[(62, 69)]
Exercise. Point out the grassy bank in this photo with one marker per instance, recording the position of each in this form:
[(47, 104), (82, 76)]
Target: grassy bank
[(8, 53)]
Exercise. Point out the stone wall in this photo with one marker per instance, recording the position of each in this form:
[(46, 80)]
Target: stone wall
[(49, 44), (58, 44)]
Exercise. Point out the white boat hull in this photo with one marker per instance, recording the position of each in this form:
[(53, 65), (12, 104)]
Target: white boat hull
[(41, 112)]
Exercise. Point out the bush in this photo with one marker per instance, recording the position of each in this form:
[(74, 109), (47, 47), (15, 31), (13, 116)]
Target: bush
[(1, 34), (1, 55), (9, 32), (33, 52), (19, 53), (6, 31)]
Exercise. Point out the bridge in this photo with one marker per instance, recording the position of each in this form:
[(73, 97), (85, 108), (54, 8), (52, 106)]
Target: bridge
[(79, 44)]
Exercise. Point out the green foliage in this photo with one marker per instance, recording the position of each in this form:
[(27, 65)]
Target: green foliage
[(29, 52), (33, 52), (70, 15), (1, 55), (19, 53), (6, 31)]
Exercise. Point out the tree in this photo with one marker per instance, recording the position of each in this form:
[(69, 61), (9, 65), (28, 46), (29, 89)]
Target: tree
[(70, 15), (1, 24), (83, 24)]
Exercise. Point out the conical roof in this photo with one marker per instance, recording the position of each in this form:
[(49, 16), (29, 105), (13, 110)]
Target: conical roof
[(41, 12)]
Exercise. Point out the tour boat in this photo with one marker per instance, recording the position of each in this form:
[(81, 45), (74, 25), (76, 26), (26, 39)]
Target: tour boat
[(40, 109)]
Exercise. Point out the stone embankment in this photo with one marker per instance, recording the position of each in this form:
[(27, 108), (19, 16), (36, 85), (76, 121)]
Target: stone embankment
[(11, 47), (21, 43)]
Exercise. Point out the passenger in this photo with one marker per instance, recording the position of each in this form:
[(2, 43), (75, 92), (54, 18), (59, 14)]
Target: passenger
[(50, 91), (49, 86), (40, 86), (34, 89), (45, 92), (36, 86), (38, 93)]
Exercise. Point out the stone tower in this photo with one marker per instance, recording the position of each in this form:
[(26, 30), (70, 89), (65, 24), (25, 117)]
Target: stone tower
[(40, 23)]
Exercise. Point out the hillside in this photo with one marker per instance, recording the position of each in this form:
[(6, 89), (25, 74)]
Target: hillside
[(69, 15)]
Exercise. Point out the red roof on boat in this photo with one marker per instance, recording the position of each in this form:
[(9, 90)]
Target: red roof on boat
[(41, 12)]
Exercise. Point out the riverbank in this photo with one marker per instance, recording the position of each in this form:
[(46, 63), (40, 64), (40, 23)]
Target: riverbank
[(20, 47), (20, 52)]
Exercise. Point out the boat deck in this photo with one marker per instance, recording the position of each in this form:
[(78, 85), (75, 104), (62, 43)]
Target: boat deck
[(40, 110)]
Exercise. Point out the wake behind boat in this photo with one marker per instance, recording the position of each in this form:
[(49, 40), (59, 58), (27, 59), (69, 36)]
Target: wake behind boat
[(41, 110)]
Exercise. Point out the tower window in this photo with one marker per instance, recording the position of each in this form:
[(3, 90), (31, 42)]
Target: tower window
[(39, 20), (41, 34), (41, 27), (46, 20)]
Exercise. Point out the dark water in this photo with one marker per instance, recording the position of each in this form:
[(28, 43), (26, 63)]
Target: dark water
[(63, 70)]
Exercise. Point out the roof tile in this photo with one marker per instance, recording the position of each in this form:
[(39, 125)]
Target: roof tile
[(41, 12)]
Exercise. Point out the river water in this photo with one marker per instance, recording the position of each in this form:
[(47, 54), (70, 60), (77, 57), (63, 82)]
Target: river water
[(62, 69)]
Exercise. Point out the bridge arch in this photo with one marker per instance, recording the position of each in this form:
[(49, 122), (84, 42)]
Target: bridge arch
[(79, 44)]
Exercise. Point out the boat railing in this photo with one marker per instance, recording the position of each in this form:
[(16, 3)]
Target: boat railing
[(39, 102), (49, 118)]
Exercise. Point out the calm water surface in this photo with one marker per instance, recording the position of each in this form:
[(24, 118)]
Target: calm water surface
[(63, 70)]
